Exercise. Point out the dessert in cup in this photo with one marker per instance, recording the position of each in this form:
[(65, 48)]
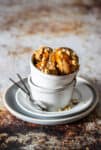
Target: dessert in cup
[(53, 76)]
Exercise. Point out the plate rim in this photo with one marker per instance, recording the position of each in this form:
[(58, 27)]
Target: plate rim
[(54, 121)]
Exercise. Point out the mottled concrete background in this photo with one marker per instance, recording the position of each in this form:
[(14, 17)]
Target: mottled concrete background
[(24, 26)]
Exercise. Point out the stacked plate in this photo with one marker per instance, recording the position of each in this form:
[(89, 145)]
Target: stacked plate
[(18, 103)]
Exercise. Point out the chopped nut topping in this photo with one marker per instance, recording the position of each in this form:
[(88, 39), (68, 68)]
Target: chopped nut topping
[(60, 61)]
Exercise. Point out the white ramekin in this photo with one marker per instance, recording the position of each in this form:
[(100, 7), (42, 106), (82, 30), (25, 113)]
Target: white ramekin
[(53, 99), (49, 81)]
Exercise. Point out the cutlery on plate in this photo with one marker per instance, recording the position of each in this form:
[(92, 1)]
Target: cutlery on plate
[(27, 91)]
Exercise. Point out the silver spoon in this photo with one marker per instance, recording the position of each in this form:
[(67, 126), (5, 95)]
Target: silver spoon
[(43, 108)]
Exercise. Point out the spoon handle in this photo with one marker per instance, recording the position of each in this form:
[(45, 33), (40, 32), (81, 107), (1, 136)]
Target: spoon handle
[(22, 81), (18, 85), (28, 93)]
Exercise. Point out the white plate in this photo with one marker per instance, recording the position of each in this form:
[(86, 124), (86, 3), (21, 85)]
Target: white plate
[(11, 105), (83, 92)]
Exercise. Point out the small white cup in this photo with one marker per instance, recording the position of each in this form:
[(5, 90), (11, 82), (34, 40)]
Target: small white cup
[(53, 99), (49, 81)]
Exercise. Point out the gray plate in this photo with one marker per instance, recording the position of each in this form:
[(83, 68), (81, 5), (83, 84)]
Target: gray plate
[(13, 107), (85, 101)]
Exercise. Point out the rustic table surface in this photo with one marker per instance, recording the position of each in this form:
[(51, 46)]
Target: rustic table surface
[(24, 26)]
